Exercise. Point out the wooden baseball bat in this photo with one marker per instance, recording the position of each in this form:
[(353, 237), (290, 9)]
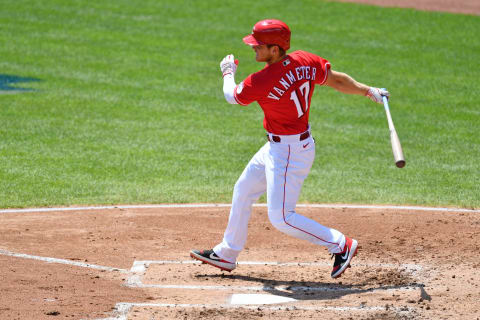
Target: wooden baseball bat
[(396, 146)]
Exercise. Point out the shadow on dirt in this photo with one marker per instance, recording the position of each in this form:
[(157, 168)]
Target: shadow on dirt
[(313, 290)]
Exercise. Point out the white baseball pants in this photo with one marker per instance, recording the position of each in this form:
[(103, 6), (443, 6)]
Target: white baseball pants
[(279, 169)]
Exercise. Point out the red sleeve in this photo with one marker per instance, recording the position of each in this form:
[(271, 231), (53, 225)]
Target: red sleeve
[(323, 66), (245, 93)]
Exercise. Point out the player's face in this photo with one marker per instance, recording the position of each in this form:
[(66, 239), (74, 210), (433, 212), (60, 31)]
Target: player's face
[(263, 53)]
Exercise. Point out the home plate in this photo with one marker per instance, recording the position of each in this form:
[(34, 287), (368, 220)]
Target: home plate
[(244, 298)]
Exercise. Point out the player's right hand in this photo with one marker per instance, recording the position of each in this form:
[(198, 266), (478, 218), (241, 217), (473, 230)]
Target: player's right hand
[(228, 65)]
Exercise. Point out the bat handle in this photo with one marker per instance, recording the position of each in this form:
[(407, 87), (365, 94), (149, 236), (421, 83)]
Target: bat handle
[(385, 100), (387, 111)]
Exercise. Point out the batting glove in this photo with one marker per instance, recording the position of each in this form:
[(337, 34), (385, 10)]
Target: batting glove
[(228, 65), (376, 94)]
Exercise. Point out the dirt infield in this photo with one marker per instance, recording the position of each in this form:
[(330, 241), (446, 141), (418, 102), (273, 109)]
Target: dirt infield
[(134, 264), (454, 6)]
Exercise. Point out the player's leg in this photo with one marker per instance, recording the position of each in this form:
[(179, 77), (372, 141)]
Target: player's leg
[(248, 188), (286, 169)]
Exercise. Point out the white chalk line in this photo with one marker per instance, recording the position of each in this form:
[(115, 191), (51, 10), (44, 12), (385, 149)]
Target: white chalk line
[(123, 308), (61, 261), (222, 205), (407, 266), (139, 268)]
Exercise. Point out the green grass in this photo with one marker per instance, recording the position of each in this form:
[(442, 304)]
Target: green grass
[(128, 106)]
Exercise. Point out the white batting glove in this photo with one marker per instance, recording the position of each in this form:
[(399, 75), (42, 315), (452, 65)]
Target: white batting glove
[(228, 65), (376, 94)]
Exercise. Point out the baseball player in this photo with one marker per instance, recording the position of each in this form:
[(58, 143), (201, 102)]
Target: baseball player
[(283, 89)]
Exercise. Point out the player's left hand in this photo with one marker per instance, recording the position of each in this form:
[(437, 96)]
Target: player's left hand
[(228, 65), (377, 94)]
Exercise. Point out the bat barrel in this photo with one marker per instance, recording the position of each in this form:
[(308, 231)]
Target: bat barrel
[(397, 150)]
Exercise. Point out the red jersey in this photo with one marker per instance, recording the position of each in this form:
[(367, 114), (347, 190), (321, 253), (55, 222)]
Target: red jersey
[(284, 91)]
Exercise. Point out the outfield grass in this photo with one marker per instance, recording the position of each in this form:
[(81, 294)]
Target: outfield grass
[(121, 102)]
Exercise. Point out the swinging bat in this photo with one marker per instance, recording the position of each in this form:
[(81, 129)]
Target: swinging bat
[(396, 147)]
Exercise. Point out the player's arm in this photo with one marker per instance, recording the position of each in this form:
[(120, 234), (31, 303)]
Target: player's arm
[(344, 83), (228, 67), (229, 88)]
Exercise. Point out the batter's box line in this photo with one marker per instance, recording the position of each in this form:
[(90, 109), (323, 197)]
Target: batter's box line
[(61, 261), (123, 308), (139, 269)]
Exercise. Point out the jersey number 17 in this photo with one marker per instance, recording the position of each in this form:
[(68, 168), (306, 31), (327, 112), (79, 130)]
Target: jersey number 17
[(304, 91)]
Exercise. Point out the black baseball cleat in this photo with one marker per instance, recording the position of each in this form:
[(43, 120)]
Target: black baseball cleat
[(210, 257), (342, 259)]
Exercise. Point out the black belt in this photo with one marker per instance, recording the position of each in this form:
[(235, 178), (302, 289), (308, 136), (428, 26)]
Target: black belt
[(277, 139)]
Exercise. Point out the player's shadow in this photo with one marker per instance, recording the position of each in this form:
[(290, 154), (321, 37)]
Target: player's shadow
[(12, 84), (312, 290)]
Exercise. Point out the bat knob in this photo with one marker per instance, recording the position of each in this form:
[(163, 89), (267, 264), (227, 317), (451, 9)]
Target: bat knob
[(400, 164)]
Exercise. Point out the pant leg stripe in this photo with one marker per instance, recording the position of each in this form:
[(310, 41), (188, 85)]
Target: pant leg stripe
[(283, 210)]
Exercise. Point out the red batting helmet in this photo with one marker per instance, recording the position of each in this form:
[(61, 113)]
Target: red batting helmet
[(269, 31)]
